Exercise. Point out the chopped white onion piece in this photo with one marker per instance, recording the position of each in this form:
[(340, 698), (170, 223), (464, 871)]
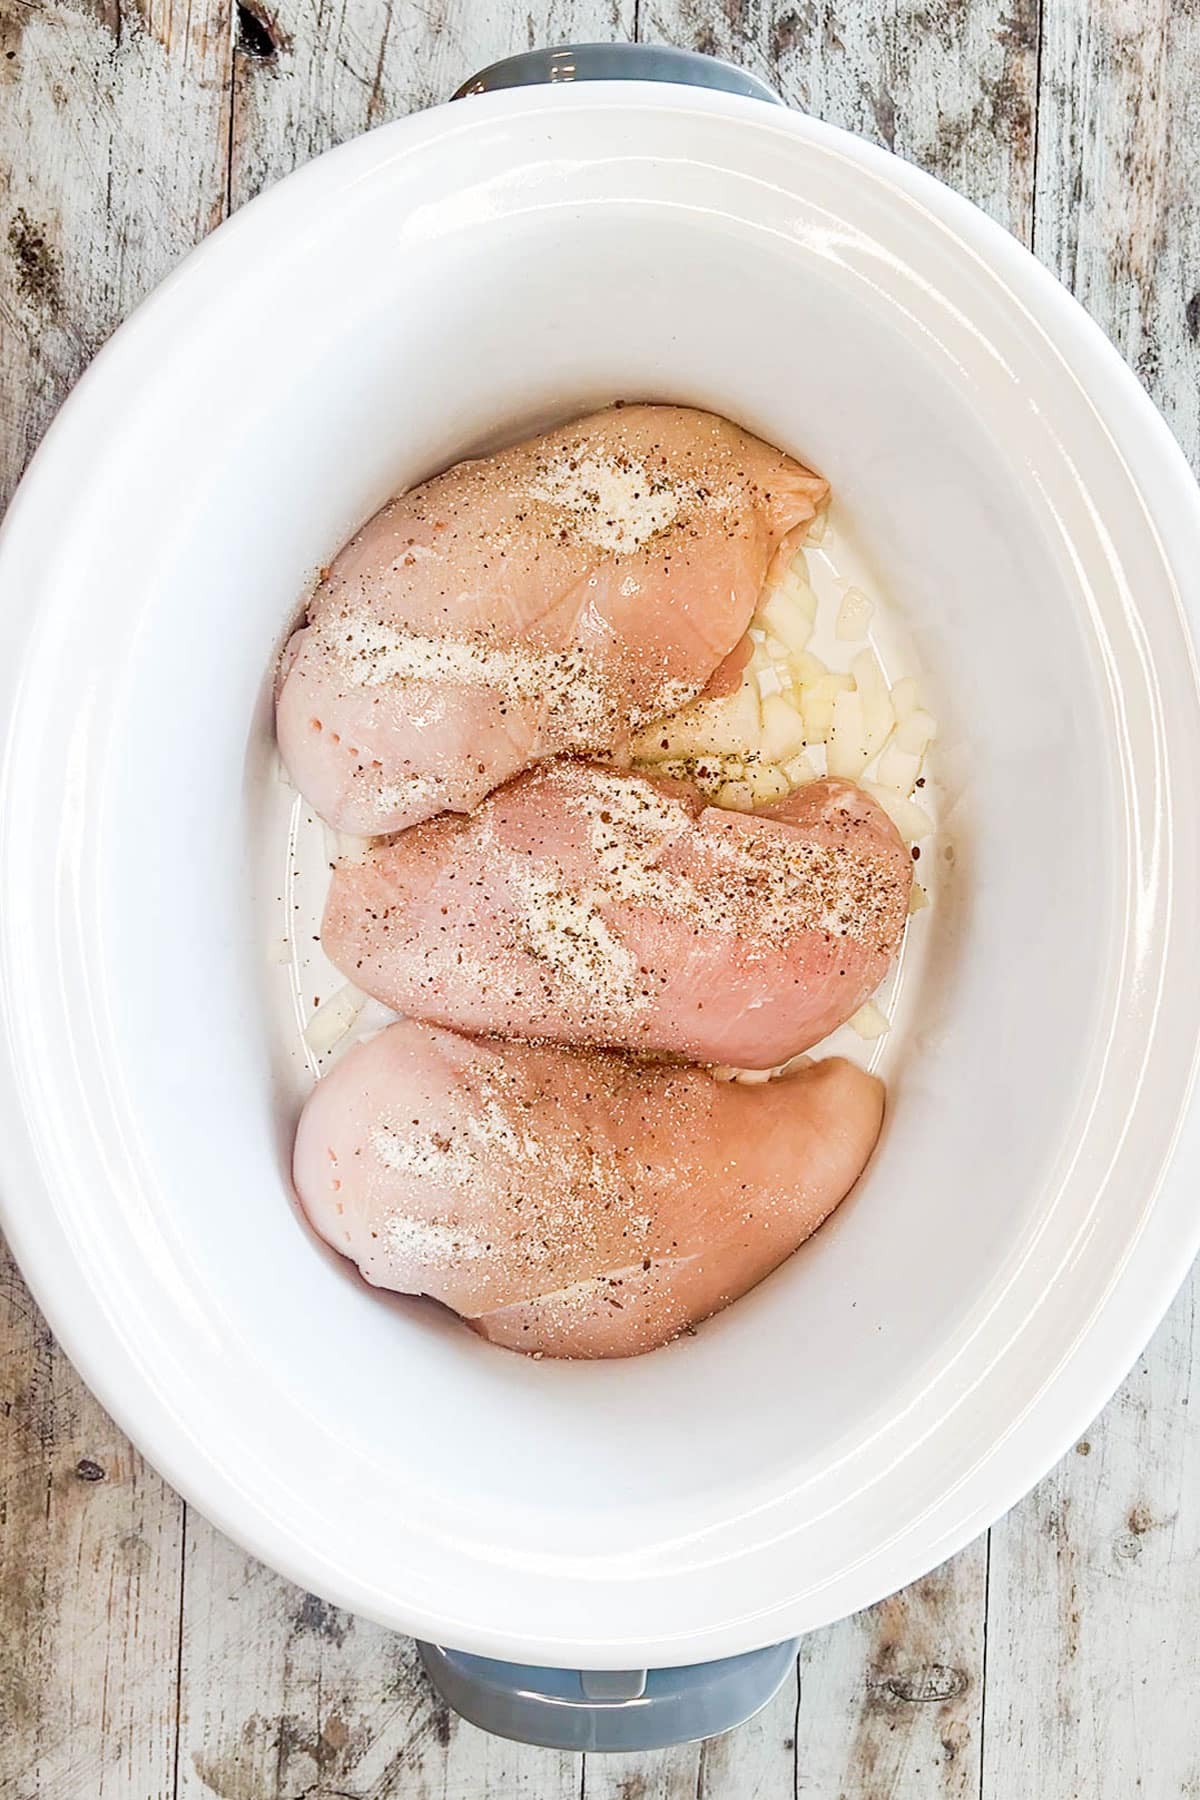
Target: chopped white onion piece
[(910, 820), (707, 773), (854, 615), (917, 731), (904, 698), (333, 1019), (767, 784), (771, 680), (805, 668), (799, 771), (735, 796), (817, 529), (869, 1022), (782, 729), (728, 726), (785, 617), (848, 751), (816, 704), (877, 716), (918, 899), (898, 768)]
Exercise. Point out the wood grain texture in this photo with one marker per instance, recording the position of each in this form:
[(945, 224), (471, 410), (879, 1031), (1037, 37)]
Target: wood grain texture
[(316, 73), (1118, 207), (891, 1701), (283, 1695), (1093, 1660), (948, 84), (113, 153), (89, 1584)]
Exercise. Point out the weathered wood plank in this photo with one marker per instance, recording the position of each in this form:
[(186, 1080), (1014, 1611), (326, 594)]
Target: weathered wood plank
[(948, 84), (283, 1695), (1118, 205), (89, 1584), (310, 74), (891, 1701), (113, 147), (1093, 1659)]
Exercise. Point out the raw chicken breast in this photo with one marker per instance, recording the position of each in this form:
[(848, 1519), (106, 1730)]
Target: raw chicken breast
[(553, 597), (596, 907), (571, 1202)]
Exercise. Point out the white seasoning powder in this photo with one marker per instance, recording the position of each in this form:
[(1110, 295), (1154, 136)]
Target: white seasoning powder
[(615, 503), (569, 934), (568, 682), (762, 884), (414, 790), (426, 1241)]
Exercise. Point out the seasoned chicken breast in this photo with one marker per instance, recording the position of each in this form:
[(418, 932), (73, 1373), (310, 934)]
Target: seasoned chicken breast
[(590, 906), (572, 1202), (553, 597)]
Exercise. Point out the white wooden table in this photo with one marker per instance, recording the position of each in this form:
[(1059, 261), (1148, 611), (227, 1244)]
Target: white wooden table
[(141, 1655)]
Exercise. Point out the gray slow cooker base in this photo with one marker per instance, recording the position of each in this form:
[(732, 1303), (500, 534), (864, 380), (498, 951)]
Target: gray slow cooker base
[(622, 1709)]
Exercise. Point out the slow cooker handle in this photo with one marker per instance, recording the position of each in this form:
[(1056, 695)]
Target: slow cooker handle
[(613, 1709), (617, 62)]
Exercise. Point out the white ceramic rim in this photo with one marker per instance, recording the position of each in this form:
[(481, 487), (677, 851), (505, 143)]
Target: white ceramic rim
[(1141, 1288)]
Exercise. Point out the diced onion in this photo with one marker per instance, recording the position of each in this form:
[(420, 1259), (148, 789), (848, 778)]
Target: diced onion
[(784, 614), (767, 784), (706, 773), (333, 1019), (910, 820), (918, 899), (904, 698), (848, 750), (771, 679), (877, 715), (793, 718), (805, 668), (854, 615), (898, 768), (799, 771), (817, 529), (782, 729), (869, 1022), (916, 731), (735, 796), (728, 726), (816, 704)]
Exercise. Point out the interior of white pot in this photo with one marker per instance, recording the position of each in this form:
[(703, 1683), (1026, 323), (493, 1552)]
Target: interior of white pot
[(985, 1059), (389, 342)]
